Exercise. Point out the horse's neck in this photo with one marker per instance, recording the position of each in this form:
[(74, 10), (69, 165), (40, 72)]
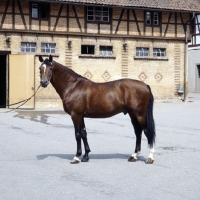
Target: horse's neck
[(62, 79)]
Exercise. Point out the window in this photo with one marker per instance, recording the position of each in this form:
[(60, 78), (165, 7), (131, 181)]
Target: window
[(142, 51), (28, 47), (98, 14), (87, 49), (34, 10), (106, 51), (48, 48), (152, 18), (148, 18), (159, 52), (40, 10), (155, 18), (44, 10)]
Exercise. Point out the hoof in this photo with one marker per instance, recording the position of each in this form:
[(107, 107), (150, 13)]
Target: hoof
[(75, 161), (85, 159), (149, 161), (132, 159)]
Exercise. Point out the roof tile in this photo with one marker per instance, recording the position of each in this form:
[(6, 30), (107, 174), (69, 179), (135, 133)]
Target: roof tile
[(176, 5)]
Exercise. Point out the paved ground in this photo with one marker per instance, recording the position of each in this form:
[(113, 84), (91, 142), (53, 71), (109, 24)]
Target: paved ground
[(36, 148)]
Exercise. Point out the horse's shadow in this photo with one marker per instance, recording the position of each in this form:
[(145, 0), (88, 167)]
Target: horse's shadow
[(92, 156)]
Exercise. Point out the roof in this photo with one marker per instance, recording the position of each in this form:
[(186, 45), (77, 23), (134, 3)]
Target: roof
[(174, 5)]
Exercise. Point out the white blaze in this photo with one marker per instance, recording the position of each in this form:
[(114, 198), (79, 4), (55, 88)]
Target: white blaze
[(44, 65)]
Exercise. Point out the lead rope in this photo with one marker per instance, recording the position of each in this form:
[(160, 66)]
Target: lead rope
[(23, 101)]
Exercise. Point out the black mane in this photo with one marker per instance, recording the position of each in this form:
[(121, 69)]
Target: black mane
[(68, 71)]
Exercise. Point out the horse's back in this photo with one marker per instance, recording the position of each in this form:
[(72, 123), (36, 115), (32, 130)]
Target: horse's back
[(110, 98)]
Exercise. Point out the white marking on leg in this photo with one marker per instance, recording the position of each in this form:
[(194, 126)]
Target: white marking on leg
[(44, 65), (151, 152), (76, 158), (135, 155)]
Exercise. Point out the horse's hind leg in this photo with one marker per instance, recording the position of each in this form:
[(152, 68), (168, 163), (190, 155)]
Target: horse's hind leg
[(150, 158), (85, 142), (138, 133)]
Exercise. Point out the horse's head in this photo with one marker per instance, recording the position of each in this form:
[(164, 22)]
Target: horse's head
[(46, 71)]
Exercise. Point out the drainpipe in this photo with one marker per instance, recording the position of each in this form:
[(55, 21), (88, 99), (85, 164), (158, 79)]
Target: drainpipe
[(186, 60)]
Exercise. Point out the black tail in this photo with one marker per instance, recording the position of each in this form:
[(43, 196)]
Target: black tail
[(150, 125)]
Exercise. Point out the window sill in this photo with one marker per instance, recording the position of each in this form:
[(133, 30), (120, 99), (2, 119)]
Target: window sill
[(40, 54), (47, 54), (96, 57), (98, 22), (150, 58)]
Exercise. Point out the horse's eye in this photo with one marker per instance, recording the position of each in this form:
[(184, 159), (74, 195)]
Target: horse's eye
[(51, 68)]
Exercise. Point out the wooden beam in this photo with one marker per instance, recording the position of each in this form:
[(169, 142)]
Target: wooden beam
[(184, 28), (128, 21), (90, 35), (22, 14), (4, 14), (138, 28), (77, 19), (59, 13), (161, 24), (120, 18), (169, 18), (175, 24), (111, 20), (67, 18), (13, 14)]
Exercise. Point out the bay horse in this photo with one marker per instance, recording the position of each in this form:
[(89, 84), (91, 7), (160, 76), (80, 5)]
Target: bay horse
[(84, 98)]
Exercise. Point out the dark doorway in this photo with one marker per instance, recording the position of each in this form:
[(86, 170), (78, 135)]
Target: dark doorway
[(3, 77)]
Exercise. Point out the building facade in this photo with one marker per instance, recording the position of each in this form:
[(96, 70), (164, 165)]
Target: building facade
[(101, 40)]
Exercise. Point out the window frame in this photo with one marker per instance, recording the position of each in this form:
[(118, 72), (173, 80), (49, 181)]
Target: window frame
[(95, 11), (88, 50), (152, 18), (28, 45), (42, 9), (32, 7), (162, 53), (48, 48), (142, 53), (107, 51)]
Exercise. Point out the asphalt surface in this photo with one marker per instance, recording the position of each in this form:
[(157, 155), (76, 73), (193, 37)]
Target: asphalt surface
[(36, 148)]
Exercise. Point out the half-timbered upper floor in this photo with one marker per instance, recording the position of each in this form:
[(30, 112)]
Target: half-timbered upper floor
[(195, 31), (149, 19)]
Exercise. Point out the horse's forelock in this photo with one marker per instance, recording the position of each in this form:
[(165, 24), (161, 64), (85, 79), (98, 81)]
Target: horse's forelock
[(47, 62)]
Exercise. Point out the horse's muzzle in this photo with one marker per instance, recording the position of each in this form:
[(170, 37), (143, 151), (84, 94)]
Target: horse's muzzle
[(44, 83)]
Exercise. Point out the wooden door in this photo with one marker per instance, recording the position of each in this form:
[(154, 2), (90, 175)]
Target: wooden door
[(21, 80)]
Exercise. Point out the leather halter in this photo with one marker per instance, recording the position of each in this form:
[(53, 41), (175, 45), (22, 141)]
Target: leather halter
[(51, 68)]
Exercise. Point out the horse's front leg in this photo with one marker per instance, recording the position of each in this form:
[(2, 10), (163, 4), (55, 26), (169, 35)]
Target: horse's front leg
[(85, 142), (77, 120)]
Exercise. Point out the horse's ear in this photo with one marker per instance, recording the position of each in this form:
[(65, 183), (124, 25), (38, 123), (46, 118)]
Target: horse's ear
[(50, 58), (41, 59)]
